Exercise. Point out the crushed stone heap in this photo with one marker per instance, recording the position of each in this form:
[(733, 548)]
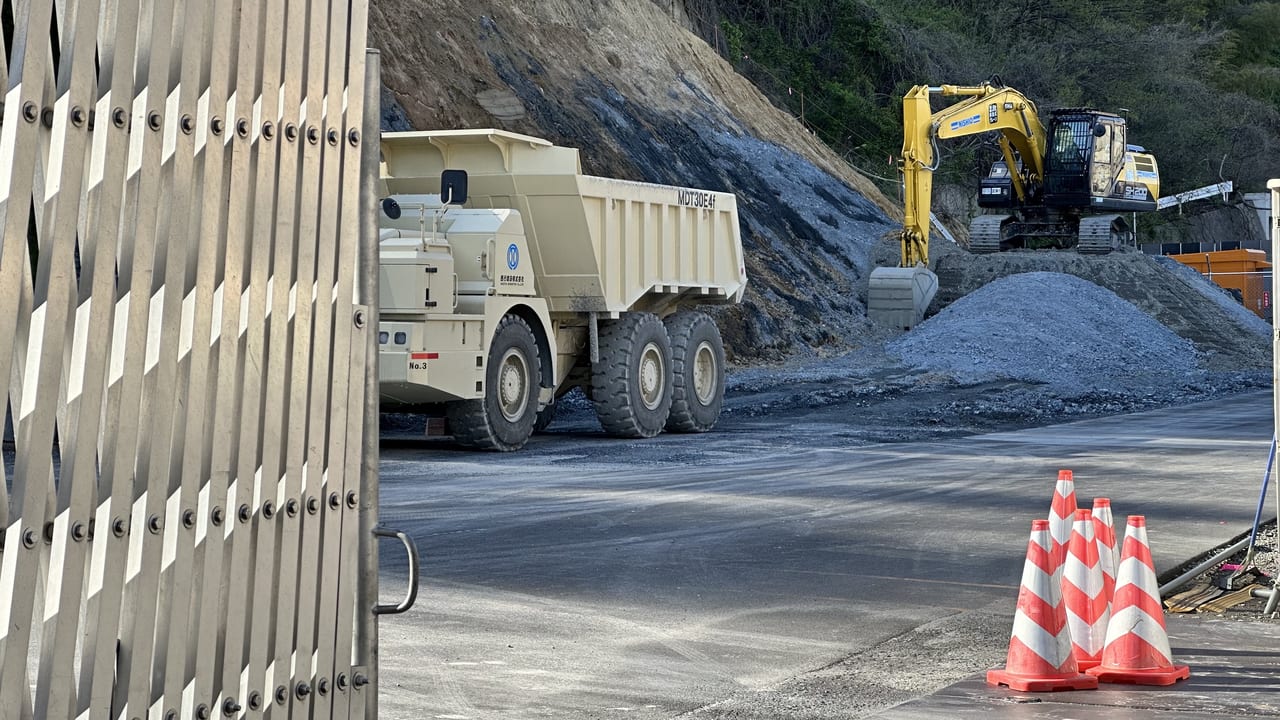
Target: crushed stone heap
[(1045, 327)]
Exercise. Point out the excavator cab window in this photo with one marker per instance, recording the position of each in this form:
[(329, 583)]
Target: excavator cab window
[(1071, 140)]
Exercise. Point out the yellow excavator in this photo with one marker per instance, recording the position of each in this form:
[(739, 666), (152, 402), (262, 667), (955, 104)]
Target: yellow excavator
[(1061, 187)]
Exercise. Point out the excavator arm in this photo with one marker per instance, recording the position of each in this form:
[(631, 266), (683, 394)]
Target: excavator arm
[(899, 296), (985, 108)]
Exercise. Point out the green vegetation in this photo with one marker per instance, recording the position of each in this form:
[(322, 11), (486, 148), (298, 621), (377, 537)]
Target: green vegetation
[(1200, 79)]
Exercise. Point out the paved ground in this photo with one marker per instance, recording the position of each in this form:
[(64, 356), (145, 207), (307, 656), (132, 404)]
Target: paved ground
[(759, 572)]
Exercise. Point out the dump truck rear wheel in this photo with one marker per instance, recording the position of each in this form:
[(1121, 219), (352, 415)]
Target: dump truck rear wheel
[(697, 360), (503, 419), (631, 383)]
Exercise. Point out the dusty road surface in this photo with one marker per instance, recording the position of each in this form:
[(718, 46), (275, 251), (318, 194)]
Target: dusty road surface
[(776, 568)]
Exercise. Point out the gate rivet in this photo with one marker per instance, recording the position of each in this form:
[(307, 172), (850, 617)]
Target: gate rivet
[(46, 117), (78, 532), (335, 502), (202, 712), (118, 527), (77, 116), (360, 319), (155, 524), (48, 533), (291, 132), (154, 121), (246, 513), (216, 125), (333, 137), (352, 500), (282, 695), (171, 715), (360, 681), (30, 111), (119, 117), (313, 505), (189, 519), (231, 707), (215, 516), (93, 528), (29, 539), (268, 130), (341, 682), (268, 509), (302, 690), (255, 700), (242, 128), (322, 686), (353, 137), (313, 134), (292, 507), (188, 124)]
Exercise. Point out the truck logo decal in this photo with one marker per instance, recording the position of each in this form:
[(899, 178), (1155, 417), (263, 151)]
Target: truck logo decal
[(513, 256), (971, 120), (696, 199)]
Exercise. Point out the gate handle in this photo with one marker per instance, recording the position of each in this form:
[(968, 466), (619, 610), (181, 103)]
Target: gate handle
[(412, 550)]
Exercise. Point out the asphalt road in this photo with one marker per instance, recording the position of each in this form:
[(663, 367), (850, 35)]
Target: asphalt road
[(771, 569)]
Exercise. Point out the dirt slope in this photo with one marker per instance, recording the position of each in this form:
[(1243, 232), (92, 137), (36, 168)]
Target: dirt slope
[(647, 100)]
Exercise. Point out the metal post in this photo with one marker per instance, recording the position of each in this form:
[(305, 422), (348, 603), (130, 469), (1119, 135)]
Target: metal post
[(1274, 187), (367, 295)]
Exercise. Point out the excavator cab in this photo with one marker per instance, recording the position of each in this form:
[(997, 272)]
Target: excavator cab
[(1090, 165)]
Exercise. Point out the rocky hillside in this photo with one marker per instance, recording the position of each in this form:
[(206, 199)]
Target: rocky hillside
[(645, 99)]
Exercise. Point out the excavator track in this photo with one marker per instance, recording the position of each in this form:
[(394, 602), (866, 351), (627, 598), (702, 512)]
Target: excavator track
[(1100, 234), (985, 233)]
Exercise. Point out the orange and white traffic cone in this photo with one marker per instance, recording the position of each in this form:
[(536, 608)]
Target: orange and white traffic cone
[(1137, 650), (1061, 514), (1040, 658), (1084, 595), (1108, 551)]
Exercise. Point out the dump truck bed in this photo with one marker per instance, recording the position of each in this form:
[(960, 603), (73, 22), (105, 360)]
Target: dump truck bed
[(597, 244)]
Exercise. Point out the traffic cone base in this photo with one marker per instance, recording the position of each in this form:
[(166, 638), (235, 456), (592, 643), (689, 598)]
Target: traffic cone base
[(1152, 676), (1050, 682)]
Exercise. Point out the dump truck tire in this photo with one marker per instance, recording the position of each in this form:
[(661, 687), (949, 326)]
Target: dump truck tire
[(631, 383), (503, 419), (697, 361)]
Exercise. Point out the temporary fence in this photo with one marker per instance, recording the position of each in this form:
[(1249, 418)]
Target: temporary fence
[(187, 306)]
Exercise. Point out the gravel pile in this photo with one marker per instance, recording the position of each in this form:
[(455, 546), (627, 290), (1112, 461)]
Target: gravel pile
[(1050, 328)]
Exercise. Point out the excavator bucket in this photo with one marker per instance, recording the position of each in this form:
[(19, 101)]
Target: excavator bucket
[(898, 297)]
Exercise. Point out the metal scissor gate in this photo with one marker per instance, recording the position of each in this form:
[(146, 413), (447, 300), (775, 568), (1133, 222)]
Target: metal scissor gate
[(185, 312)]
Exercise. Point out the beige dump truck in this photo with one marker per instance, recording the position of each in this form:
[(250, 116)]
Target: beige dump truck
[(508, 278)]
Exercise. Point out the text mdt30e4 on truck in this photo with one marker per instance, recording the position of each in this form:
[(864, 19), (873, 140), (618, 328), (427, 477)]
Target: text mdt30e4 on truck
[(547, 280)]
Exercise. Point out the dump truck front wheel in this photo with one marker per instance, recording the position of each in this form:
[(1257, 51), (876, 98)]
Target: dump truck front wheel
[(503, 419), (631, 384), (697, 360)]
